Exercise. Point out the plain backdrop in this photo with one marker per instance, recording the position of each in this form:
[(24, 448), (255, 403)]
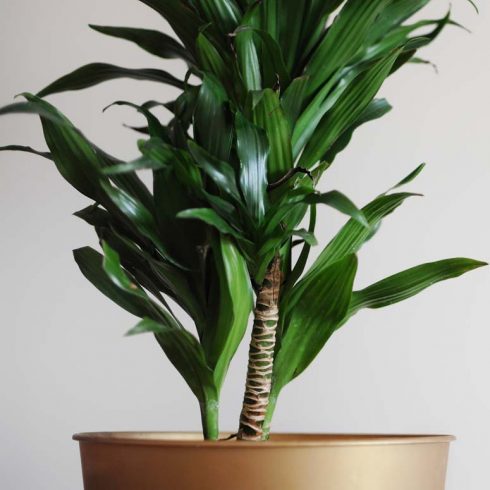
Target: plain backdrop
[(418, 367)]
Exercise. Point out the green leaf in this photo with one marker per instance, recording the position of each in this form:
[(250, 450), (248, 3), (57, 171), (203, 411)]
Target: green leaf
[(353, 234), (406, 284), (72, 153), (293, 99), (225, 329), (154, 42), (47, 112), (212, 105), (142, 163), (300, 265), (248, 59), (410, 177), (307, 236), (341, 203), (212, 218), (320, 304), (139, 216), (375, 110), (349, 107), (27, 149), (155, 128), (181, 17), (343, 40), (253, 150), (221, 172), (185, 353), (213, 61), (394, 15), (224, 14), (95, 73), (90, 263), (323, 102), (274, 70), (269, 115), (283, 19)]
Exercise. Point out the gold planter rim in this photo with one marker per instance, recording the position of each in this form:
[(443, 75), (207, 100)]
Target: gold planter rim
[(194, 439)]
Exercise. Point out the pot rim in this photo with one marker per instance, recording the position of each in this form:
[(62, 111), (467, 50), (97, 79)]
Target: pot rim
[(278, 440)]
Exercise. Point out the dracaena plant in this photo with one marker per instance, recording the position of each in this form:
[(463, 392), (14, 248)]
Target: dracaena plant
[(274, 91)]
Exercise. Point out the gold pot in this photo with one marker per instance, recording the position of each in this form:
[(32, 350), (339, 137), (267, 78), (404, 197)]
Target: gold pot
[(183, 461)]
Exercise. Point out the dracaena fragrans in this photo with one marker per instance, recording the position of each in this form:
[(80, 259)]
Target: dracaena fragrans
[(278, 89)]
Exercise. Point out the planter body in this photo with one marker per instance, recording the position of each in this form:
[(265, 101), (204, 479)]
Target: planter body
[(163, 461)]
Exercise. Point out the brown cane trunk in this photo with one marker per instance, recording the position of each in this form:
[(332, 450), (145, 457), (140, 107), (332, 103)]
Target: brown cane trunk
[(261, 356)]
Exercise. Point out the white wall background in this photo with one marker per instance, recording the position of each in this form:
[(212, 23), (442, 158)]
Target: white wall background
[(421, 366)]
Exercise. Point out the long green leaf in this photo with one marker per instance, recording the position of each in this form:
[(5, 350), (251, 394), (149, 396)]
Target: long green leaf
[(320, 305), (406, 284), (269, 115), (248, 59), (233, 305), (27, 149), (90, 263), (154, 42), (95, 73), (343, 40), (350, 106), (181, 17), (185, 353), (139, 216), (212, 218), (253, 150), (353, 234), (212, 105), (340, 202), (375, 110), (221, 172), (224, 14)]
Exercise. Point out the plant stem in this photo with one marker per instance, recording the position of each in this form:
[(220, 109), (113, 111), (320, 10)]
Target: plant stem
[(210, 420), (261, 356)]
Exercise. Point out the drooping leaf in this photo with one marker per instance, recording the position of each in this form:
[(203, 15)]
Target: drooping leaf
[(181, 17), (32, 108), (95, 73), (139, 216), (90, 263), (27, 149), (212, 218), (341, 203), (155, 128), (154, 42)]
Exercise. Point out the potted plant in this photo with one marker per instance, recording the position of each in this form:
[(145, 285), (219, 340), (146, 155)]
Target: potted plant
[(274, 92)]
